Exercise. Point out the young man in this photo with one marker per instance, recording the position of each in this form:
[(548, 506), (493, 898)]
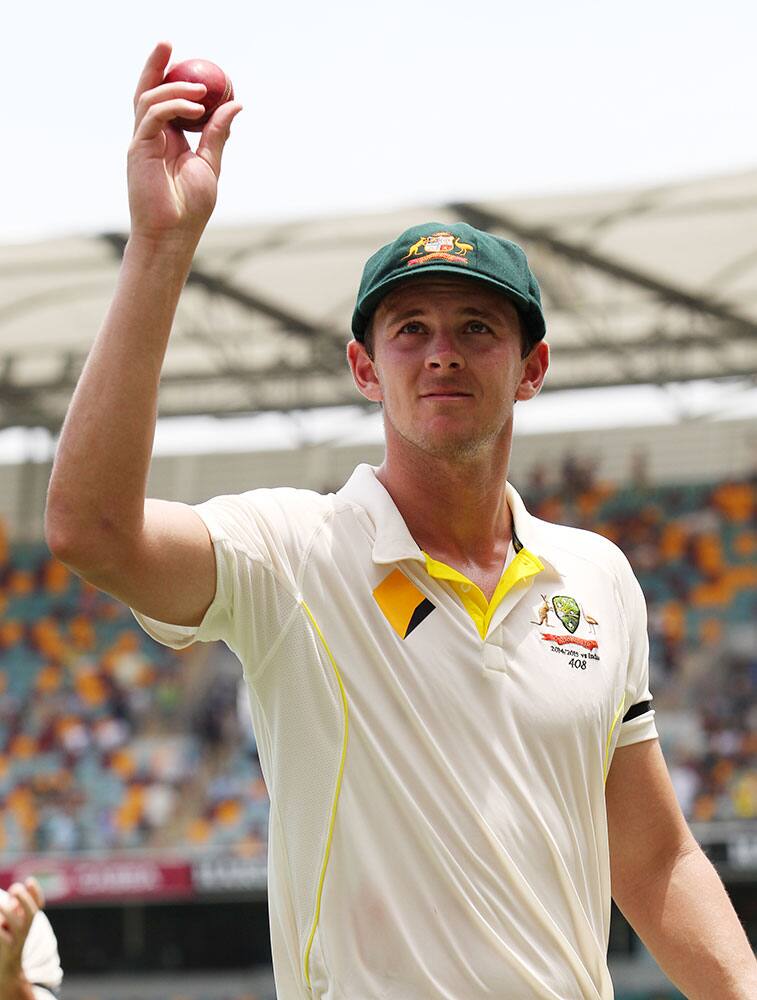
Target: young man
[(450, 697), (29, 964)]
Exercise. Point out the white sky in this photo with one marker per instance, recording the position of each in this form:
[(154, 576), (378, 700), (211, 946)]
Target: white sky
[(355, 106)]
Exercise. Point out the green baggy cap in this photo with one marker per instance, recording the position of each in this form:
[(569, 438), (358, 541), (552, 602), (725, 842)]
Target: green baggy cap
[(454, 249)]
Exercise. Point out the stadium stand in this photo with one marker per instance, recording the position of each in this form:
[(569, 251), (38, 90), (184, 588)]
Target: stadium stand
[(107, 740), (111, 742)]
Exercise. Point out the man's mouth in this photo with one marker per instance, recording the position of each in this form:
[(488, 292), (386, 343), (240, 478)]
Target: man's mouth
[(445, 394)]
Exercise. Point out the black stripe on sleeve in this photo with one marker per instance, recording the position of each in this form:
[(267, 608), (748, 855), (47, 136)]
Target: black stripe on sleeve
[(639, 709)]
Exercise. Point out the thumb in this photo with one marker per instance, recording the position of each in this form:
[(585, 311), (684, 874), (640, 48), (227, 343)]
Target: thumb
[(216, 133)]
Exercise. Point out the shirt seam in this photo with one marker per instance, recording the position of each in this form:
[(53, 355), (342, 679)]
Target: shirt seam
[(327, 518), (275, 645), (292, 588), (218, 533), (543, 550)]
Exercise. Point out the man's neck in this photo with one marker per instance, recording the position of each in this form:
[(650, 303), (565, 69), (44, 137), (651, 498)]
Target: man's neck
[(455, 509)]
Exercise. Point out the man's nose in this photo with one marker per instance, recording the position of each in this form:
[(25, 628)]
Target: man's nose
[(444, 354)]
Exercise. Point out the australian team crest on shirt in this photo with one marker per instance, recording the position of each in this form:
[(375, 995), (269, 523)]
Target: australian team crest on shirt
[(438, 246), (562, 611), (568, 611)]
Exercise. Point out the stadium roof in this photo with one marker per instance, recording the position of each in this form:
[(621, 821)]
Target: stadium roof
[(652, 285)]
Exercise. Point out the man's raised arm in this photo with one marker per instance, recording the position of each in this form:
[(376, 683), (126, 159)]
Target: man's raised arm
[(152, 554)]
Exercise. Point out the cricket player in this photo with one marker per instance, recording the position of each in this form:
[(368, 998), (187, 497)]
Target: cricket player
[(29, 964), (450, 697)]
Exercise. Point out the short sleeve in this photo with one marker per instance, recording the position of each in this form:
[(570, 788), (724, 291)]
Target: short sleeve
[(259, 539), (638, 723), (216, 622), (40, 960)]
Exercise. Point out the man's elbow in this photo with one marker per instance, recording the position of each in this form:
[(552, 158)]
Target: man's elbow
[(634, 885), (63, 534), (86, 545)]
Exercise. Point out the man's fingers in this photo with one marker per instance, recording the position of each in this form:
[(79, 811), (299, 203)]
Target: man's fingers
[(11, 917), (36, 891), (179, 91), (154, 69), (159, 115), (26, 900), (167, 92), (215, 134)]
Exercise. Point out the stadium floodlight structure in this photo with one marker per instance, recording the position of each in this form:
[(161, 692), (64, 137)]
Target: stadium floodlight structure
[(646, 286)]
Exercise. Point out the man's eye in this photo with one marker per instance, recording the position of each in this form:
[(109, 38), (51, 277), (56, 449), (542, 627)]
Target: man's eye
[(476, 326), (411, 328)]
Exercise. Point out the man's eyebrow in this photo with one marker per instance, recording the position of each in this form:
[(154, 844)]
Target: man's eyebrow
[(487, 313), (395, 317)]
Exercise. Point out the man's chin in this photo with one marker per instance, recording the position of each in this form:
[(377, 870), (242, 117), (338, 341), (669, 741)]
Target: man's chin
[(451, 442), (450, 447)]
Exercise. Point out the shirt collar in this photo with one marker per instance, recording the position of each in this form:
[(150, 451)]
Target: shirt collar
[(527, 529), (393, 542)]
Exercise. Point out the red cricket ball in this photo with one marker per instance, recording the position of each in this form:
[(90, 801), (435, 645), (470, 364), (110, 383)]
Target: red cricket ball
[(201, 71)]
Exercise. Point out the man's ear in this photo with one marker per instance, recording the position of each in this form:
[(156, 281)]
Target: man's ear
[(535, 366), (364, 372)]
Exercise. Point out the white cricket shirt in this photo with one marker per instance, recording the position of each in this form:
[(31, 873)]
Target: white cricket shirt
[(436, 765)]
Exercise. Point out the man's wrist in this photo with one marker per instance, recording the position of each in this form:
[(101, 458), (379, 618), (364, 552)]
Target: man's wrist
[(173, 249), (14, 985)]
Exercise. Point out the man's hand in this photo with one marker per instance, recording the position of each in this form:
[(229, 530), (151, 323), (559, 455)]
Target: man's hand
[(16, 916), (172, 191)]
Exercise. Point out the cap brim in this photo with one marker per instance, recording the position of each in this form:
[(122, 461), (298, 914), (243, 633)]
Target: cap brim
[(368, 305)]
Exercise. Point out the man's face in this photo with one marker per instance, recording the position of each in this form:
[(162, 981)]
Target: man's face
[(446, 365)]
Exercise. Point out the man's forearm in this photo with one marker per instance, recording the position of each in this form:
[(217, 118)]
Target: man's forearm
[(15, 987), (687, 921), (98, 483)]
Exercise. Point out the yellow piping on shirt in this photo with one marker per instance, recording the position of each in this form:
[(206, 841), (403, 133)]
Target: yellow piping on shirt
[(335, 800), (609, 737)]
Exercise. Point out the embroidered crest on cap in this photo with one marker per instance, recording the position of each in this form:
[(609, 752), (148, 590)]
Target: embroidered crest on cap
[(438, 246)]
